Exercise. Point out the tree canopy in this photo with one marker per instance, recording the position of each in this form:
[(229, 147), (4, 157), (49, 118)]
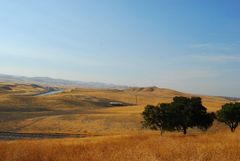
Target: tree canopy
[(181, 114), (230, 115)]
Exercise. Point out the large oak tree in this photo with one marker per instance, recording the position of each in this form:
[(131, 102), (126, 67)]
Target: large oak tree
[(181, 114)]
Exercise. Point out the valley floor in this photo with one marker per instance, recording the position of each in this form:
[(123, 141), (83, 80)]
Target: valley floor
[(83, 111)]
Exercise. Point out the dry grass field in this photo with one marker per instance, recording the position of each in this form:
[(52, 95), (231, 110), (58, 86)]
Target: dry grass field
[(224, 146), (83, 110), (118, 129)]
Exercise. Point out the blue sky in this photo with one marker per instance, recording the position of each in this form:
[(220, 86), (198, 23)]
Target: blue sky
[(187, 45)]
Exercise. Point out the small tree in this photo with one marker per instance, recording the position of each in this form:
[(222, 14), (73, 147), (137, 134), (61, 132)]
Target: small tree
[(155, 117), (230, 115), (181, 114)]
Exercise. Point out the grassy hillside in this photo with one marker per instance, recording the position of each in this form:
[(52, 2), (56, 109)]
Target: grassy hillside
[(23, 89), (83, 110), (121, 138)]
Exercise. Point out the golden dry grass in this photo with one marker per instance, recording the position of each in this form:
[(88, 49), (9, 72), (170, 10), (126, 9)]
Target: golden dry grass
[(14, 88), (224, 146), (122, 139), (84, 110)]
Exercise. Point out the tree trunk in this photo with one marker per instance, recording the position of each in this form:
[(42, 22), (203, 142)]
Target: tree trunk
[(232, 129), (233, 126), (184, 130)]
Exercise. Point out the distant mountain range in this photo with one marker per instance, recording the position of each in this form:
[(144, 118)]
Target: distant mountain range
[(231, 98), (47, 81)]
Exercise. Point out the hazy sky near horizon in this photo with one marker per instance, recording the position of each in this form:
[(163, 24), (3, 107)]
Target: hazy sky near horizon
[(188, 45)]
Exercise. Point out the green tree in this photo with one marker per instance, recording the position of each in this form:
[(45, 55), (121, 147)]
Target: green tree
[(230, 115), (181, 114), (189, 113), (155, 117)]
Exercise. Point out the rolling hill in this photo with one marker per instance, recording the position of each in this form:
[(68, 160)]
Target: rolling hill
[(82, 110)]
